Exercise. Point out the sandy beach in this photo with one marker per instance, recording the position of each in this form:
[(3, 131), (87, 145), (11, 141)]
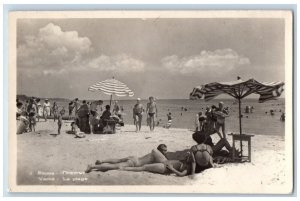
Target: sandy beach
[(43, 158)]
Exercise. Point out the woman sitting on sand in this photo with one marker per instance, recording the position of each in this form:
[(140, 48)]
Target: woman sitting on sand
[(205, 152)]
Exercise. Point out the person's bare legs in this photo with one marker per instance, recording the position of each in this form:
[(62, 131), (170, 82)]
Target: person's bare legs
[(223, 130), (112, 161), (217, 130), (106, 166), (136, 122), (152, 123), (140, 118), (92, 128), (154, 168), (222, 143)]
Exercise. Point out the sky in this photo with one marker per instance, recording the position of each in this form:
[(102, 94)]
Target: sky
[(164, 58)]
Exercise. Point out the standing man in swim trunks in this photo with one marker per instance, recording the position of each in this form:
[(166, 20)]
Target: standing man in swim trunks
[(138, 110), (151, 111)]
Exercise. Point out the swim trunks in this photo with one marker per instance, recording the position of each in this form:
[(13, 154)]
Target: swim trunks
[(151, 114)]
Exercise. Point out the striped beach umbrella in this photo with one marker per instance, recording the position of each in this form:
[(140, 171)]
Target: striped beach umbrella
[(112, 87), (239, 89)]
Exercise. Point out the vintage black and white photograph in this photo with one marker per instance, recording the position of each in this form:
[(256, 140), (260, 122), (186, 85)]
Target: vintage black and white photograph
[(151, 101)]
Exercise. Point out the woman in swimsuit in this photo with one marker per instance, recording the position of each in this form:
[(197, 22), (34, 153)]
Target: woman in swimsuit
[(202, 155), (156, 156)]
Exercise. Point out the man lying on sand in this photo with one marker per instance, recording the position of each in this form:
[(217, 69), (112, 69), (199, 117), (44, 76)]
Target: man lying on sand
[(180, 168), (156, 156), (155, 162)]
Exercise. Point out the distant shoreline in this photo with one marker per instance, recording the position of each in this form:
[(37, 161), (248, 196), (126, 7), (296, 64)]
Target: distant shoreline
[(22, 96)]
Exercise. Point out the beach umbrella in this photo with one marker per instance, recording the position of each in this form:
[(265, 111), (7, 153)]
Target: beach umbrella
[(239, 89), (112, 87)]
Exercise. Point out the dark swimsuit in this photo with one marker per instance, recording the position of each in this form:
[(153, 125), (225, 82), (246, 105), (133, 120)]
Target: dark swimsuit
[(151, 114), (200, 168)]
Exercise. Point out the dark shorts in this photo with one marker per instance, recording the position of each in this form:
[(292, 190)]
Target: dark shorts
[(151, 114)]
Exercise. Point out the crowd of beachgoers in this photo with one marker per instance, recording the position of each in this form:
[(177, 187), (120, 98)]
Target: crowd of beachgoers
[(90, 117)]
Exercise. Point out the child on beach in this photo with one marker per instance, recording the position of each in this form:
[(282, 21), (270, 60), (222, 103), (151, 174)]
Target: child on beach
[(59, 119), (151, 111), (169, 123), (138, 110), (32, 120), (71, 107), (54, 110), (76, 130), (93, 120)]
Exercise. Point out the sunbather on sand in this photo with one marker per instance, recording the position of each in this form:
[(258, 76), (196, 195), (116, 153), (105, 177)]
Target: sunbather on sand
[(156, 156), (180, 168)]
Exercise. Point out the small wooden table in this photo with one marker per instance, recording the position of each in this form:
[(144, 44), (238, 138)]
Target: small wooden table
[(241, 137)]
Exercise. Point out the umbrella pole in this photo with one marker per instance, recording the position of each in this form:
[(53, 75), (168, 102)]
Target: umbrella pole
[(110, 100), (240, 120)]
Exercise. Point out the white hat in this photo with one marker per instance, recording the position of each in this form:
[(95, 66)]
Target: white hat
[(138, 99)]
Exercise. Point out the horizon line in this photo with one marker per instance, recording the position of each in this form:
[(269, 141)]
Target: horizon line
[(226, 98)]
